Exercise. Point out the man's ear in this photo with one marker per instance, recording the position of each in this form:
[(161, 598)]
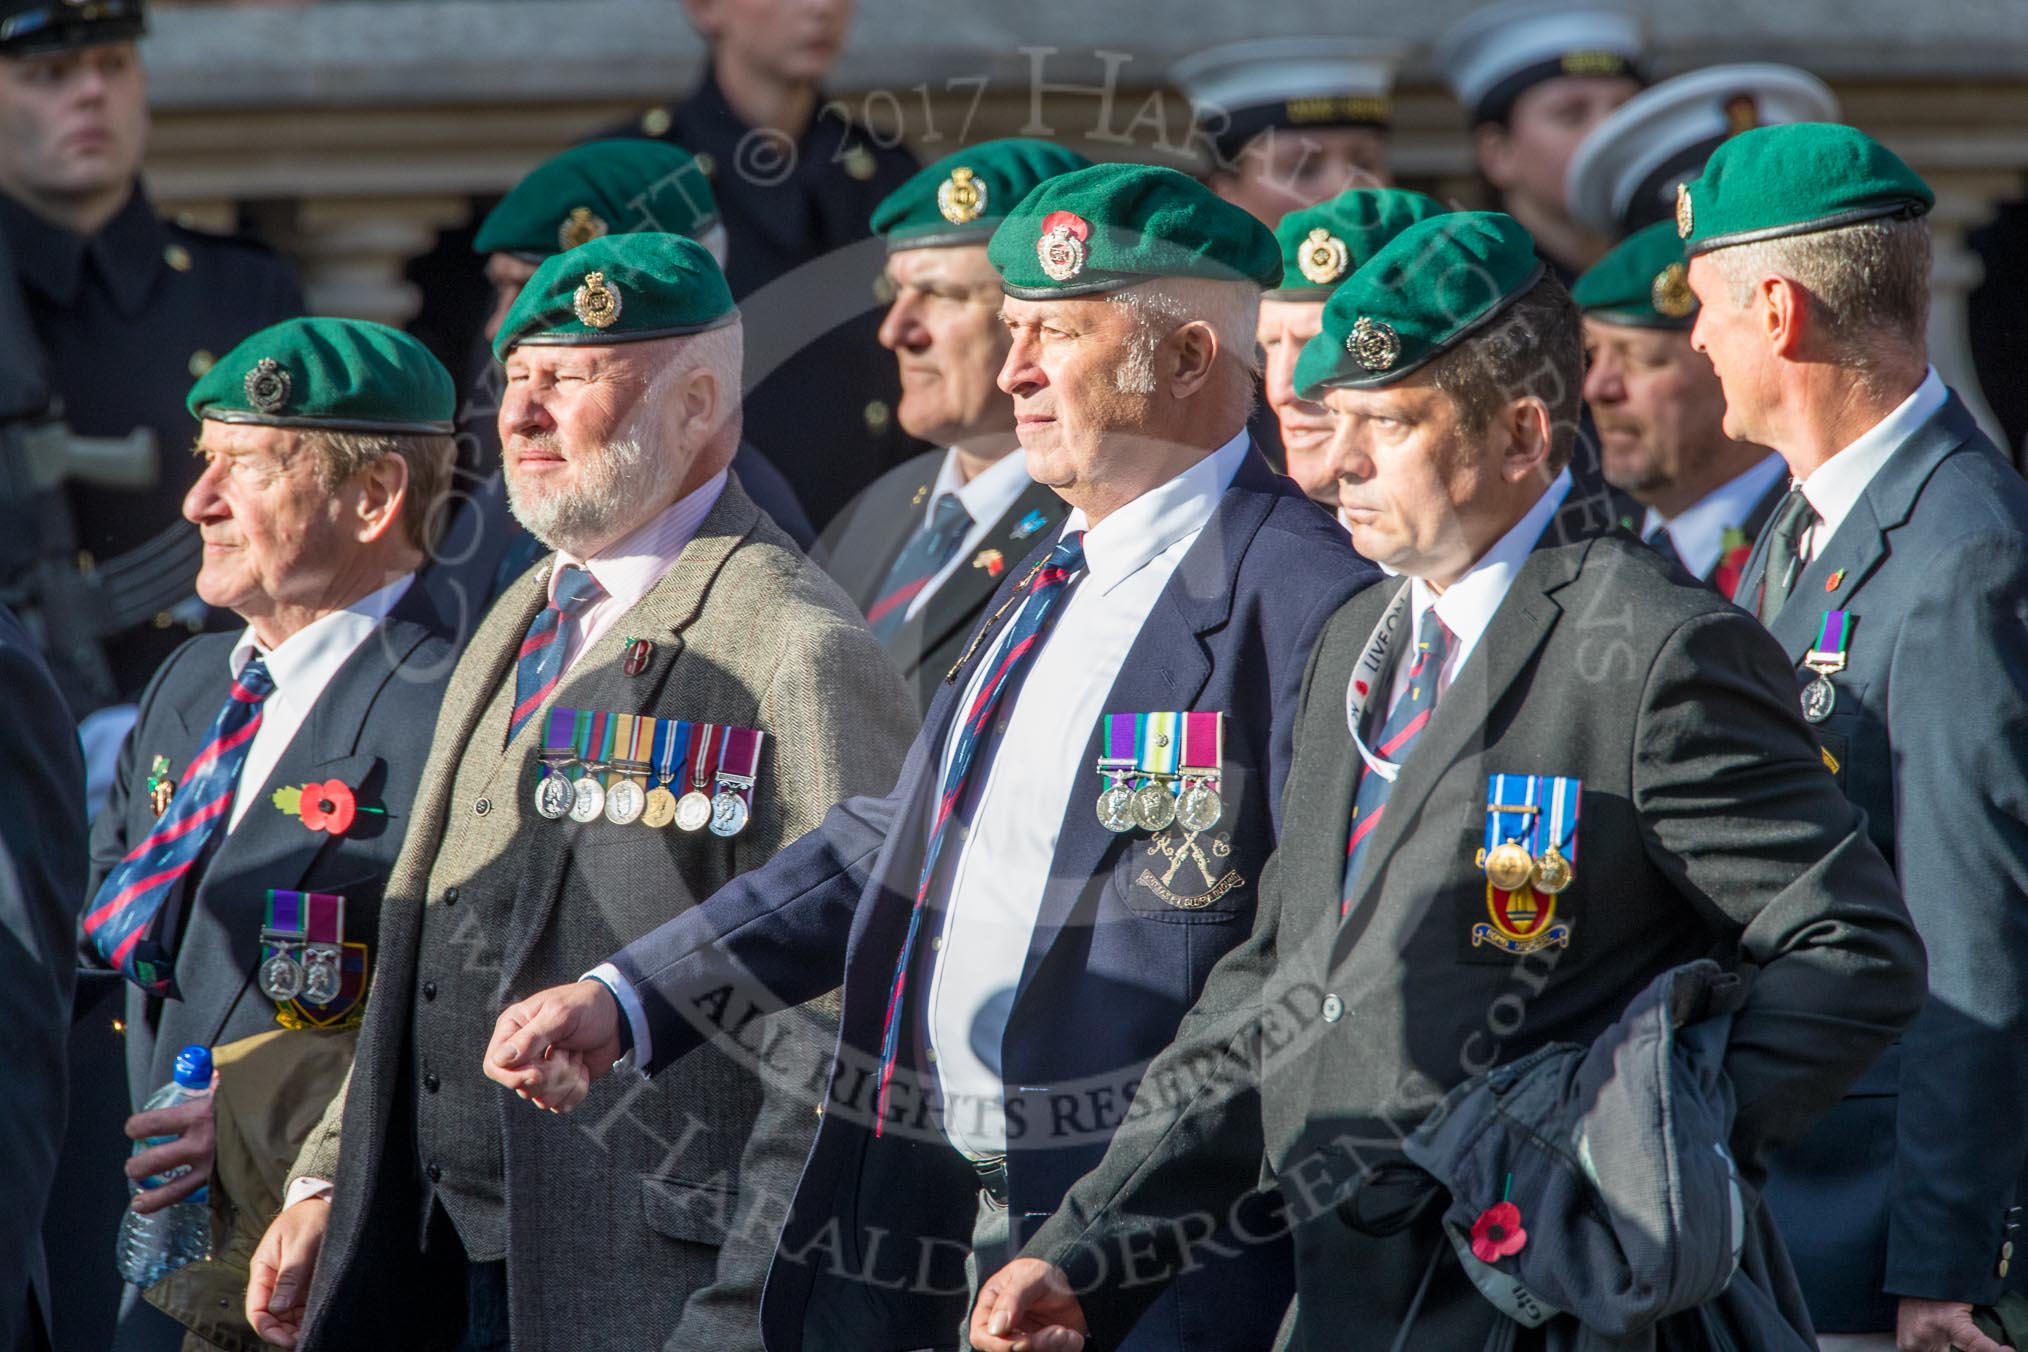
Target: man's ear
[(706, 16), (1196, 347), (1530, 431), (699, 405), (1784, 312), (383, 491)]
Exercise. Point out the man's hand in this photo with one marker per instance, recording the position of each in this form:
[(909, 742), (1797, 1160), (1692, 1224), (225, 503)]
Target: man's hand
[(1940, 1326), (192, 1127), (278, 1283), (1027, 1306), (552, 1046)]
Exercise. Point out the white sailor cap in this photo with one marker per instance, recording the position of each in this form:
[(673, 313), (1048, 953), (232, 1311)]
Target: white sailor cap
[(1624, 174), (1241, 89), (1494, 54)]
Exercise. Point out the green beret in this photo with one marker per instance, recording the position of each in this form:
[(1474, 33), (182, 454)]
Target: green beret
[(1430, 287), (1643, 281), (1114, 226), (602, 187), (619, 289), (343, 375), (1792, 180), (1324, 244), (962, 198)]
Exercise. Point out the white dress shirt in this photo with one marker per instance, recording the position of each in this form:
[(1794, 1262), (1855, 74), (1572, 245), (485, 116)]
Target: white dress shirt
[(1467, 606), (986, 498), (302, 665), (630, 566), (1835, 487), (1006, 860), (1698, 531)]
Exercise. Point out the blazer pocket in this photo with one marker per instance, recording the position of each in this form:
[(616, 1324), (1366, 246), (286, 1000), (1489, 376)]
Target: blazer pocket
[(694, 1213), (1173, 878)]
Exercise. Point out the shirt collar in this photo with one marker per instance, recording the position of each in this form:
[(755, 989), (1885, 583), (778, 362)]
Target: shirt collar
[(310, 657), (1122, 544), (1835, 486), (1467, 606), (632, 564), (1698, 531), (988, 494)]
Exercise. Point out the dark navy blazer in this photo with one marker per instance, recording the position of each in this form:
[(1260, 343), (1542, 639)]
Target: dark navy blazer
[(872, 1253), (1913, 1185), (371, 728)]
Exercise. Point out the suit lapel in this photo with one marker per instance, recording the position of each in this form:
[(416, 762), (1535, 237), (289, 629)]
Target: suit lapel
[(971, 586), (273, 849), (1861, 541), (1166, 668), (1504, 651), (1753, 528)]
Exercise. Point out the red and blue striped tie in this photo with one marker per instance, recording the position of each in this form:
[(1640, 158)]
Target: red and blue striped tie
[(540, 665), (922, 560), (1009, 663), (1397, 737), (122, 923)]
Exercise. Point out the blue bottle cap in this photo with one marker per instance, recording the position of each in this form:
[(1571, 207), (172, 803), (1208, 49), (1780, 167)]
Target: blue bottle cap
[(193, 1067)]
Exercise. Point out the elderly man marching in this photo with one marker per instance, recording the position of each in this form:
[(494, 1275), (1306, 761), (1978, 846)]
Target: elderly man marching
[(1895, 577), (924, 547), (663, 707), (1082, 823), (1530, 778)]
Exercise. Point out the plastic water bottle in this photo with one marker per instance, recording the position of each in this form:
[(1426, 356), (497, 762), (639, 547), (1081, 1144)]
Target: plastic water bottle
[(153, 1246)]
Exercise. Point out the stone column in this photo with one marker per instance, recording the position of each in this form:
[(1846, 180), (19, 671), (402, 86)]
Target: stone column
[(351, 251), (1965, 200)]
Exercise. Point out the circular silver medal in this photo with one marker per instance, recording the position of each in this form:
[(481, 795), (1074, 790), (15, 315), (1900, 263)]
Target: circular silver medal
[(1116, 809), (728, 814), (1154, 807), (625, 801), (591, 800), (320, 979), (693, 811), (281, 978), (1819, 698), (553, 796), (1200, 808)]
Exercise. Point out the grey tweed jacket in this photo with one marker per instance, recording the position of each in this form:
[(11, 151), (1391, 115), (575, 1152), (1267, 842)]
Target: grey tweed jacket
[(644, 1219)]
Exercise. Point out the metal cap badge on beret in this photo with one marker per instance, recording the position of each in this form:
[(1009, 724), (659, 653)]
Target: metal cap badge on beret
[(1430, 287), (1794, 180), (341, 375), (1240, 89), (1625, 171), (34, 27), (600, 188), (619, 289), (1643, 282), (962, 198), (1324, 244), (1114, 226), (1497, 53)]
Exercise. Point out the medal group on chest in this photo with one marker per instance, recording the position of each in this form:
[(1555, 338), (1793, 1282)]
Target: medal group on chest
[(631, 768)]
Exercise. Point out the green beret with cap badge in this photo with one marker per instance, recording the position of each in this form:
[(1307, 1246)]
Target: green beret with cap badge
[(342, 375), (1643, 281), (1795, 179), (619, 289), (962, 198), (1113, 226), (1324, 244), (601, 188), (1428, 289)]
